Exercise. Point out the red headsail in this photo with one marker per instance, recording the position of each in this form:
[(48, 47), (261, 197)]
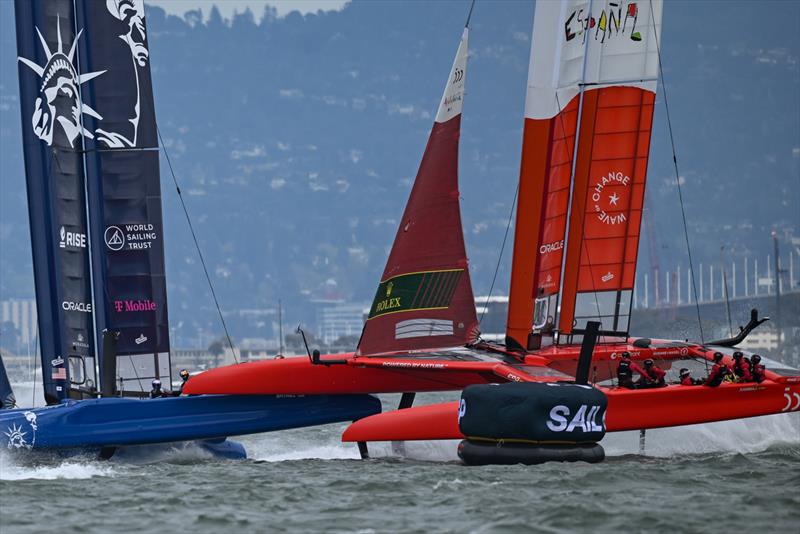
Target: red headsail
[(424, 299)]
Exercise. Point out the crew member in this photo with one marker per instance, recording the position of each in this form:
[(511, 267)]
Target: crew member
[(625, 371), (687, 380), (157, 392), (718, 372), (184, 374), (652, 376), (741, 367), (757, 370)]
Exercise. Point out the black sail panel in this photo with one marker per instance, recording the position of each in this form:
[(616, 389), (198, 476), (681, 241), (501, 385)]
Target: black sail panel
[(53, 133), (124, 190)]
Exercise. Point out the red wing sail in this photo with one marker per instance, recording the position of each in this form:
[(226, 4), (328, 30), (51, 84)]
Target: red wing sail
[(541, 219), (597, 59), (607, 207), (424, 299)]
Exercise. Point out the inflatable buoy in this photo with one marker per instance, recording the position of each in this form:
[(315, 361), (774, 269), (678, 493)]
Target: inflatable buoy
[(531, 423)]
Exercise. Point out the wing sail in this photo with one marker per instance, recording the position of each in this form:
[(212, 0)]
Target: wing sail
[(424, 299), (592, 81), (53, 135), (124, 190)]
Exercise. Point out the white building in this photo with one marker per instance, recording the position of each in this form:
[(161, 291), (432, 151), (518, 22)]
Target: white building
[(22, 314), (338, 318)]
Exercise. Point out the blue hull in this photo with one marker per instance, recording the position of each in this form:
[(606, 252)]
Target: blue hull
[(116, 422)]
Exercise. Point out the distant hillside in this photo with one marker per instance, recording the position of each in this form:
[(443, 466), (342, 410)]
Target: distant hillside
[(296, 139)]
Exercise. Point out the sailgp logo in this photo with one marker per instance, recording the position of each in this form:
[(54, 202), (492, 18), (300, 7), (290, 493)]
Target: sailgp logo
[(59, 99), (141, 339), (462, 409), (606, 203), (585, 419)]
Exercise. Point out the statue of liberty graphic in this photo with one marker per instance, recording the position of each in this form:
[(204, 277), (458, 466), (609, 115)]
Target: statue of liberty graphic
[(131, 12), (59, 100)]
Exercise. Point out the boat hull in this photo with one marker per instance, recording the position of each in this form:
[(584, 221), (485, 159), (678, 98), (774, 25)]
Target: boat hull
[(627, 410), (116, 422)]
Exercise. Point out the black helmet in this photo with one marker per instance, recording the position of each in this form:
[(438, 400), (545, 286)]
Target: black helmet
[(718, 356), (756, 358), (738, 355), (184, 374), (648, 362), (626, 354), (684, 372), (156, 384)]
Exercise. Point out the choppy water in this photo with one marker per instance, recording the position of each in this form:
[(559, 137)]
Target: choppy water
[(741, 475)]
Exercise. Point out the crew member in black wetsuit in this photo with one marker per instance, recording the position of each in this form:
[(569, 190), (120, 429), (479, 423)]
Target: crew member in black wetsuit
[(757, 370), (625, 371), (157, 392), (718, 372), (184, 378)]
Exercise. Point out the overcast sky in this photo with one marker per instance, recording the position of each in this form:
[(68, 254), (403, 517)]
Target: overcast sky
[(228, 7)]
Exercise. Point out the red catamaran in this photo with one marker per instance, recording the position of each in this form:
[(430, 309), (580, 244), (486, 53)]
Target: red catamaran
[(588, 119)]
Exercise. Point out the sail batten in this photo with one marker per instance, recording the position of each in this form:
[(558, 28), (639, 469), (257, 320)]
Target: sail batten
[(424, 299)]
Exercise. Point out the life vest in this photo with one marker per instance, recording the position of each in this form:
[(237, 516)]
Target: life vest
[(757, 371), (718, 374), (741, 368)]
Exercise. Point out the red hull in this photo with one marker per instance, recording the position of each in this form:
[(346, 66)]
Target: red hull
[(410, 372), (297, 376), (627, 410)]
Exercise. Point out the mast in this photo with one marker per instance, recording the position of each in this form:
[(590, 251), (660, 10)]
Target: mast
[(778, 324), (424, 299)]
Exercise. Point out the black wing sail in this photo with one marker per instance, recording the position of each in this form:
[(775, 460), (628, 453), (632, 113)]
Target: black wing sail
[(53, 135), (124, 190)]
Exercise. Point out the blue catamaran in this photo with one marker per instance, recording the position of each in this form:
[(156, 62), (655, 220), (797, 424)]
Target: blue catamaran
[(94, 200)]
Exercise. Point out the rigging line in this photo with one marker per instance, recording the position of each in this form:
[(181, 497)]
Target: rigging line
[(500, 256), (197, 245), (677, 176), (138, 380)]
